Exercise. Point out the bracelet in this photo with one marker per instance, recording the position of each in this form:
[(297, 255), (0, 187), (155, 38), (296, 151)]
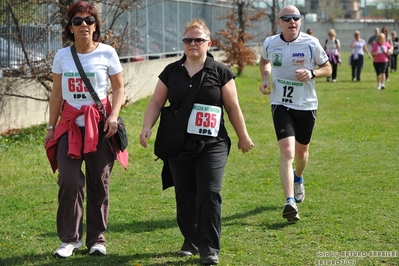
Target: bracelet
[(50, 127)]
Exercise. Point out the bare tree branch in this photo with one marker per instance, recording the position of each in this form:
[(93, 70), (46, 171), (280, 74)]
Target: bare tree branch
[(16, 22), (233, 38), (25, 97)]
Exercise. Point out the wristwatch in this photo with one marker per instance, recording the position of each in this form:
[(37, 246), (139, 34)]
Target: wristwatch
[(313, 73), (50, 127)]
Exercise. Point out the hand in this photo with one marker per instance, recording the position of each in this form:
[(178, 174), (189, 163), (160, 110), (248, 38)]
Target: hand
[(49, 136), (265, 88), (303, 75), (245, 145), (111, 126), (145, 134)]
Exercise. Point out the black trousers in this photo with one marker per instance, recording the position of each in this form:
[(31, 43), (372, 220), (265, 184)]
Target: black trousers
[(394, 62), (334, 67), (357, 65), (198, 184)]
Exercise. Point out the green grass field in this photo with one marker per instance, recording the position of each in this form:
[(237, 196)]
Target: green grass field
[(350, 211)]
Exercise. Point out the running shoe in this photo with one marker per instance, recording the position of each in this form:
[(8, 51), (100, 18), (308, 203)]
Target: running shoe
[(290, 211), (98, 250), (65, 250), (299, 192)]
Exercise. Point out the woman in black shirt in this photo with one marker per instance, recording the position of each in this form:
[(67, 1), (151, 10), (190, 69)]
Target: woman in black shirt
[(197, 171)]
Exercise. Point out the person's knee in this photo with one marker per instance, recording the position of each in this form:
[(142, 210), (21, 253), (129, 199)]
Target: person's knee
[(287, 153), (302, 155)]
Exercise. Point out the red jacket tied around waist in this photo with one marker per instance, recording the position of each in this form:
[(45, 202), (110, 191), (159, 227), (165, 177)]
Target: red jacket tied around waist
[(67, 123)]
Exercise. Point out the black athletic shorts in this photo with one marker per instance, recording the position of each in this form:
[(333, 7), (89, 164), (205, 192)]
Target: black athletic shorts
[(380, 67), (290, 122)]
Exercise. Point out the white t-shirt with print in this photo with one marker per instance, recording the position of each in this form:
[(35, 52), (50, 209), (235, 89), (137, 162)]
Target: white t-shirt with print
[(98, 66), (332, 46), (305, 52), (358, 47)]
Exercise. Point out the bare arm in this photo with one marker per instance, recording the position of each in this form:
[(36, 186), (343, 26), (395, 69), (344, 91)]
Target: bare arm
[(322, 71), (390, 50), (118, 98), (265, 70), (353, 43), (55, 106), (157, 101), (366, 50), (232, 107)]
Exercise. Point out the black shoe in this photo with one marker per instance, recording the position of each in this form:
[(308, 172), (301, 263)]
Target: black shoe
[(210, 259)]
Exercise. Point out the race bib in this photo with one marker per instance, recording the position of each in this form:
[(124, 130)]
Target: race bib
[(204, 120), (73, 87), (289, 91)]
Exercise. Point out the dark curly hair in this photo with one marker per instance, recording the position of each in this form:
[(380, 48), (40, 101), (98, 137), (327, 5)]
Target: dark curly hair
[(82, 6)]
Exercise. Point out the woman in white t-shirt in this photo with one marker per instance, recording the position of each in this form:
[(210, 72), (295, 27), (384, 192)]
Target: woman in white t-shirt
[(332, 46), (359, 47), (82, 133)]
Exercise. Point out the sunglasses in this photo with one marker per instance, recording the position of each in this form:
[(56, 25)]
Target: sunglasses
[(288, 18), (77, 21), (196, 40)]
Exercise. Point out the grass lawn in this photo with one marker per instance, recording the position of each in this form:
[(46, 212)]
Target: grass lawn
[(349, 214)]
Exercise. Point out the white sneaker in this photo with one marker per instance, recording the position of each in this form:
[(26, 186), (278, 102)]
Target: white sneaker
[(65, 249), (379, 87), (299, 192), (98, 249), (290, 211), (334, 80)]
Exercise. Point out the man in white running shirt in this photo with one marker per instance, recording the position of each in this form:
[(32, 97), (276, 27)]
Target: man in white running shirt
[(294, 59)]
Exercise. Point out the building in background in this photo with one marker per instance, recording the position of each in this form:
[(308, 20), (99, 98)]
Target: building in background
[(352, 9)]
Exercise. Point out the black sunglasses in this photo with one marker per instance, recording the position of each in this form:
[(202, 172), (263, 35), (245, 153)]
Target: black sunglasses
[(77, 21), (288, 18), (196, 40)]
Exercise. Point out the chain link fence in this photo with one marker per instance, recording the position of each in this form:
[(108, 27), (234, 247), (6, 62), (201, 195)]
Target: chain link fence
[(31, 31), (27, 36)]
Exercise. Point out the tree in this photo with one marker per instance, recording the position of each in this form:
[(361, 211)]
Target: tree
[(20, 17), (234, 38), (332, 8), (390, 9), (275, 6), (13, 11)]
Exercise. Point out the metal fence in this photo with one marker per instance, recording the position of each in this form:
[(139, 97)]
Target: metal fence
[(143, 30), (147, 29), (26, 35), (156, 29)]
